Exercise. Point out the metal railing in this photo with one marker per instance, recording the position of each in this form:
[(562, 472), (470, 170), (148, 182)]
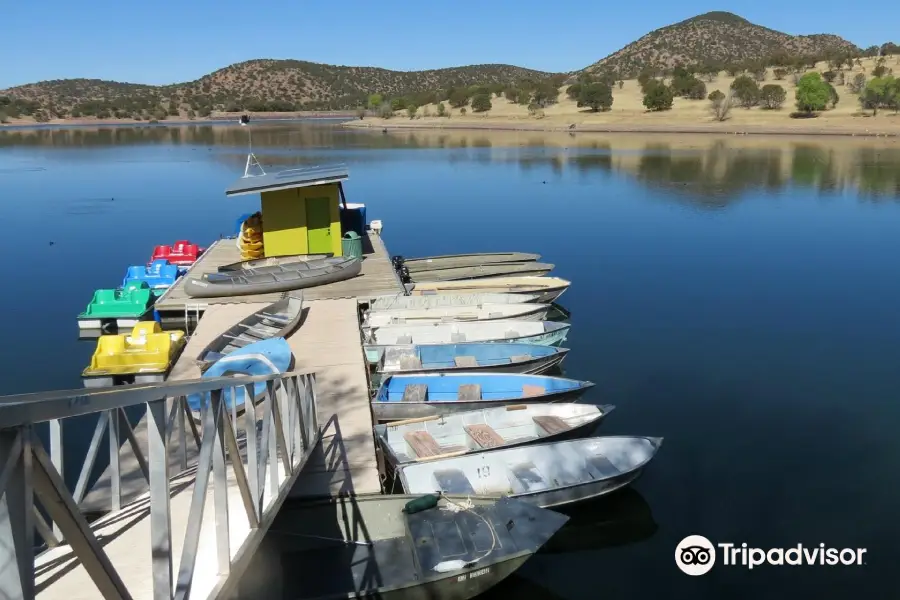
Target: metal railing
[(267, 445)]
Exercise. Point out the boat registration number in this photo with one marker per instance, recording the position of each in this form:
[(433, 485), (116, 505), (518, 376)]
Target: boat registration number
[(474, 574)]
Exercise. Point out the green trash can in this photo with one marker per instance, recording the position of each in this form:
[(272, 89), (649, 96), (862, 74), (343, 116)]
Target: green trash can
[(351, 245)]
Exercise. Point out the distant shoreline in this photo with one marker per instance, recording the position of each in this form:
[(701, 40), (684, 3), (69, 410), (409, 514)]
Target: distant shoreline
[(212, 119), (796, 127)]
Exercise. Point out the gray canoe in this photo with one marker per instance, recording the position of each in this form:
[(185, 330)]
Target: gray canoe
[(394, 302), (552, 474), (455, 434), (480, 271), (471, 357), (452, 261), (278, 319), (548, 288), (278, 278), (367, 547), (271, 261)]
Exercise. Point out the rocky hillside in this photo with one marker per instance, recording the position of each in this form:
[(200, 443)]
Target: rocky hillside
[(278, 85), (719, 37)]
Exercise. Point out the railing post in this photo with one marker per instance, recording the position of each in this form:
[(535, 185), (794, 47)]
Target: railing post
[(251, 431), (220, 483), (182, 430), (115, 479), (56, 456), (160, 511), (16, 501)]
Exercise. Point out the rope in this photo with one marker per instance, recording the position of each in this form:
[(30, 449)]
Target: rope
[(468, 506)]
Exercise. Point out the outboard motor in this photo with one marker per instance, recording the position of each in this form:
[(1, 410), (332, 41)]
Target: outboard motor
[(404, 275), (397, 261)]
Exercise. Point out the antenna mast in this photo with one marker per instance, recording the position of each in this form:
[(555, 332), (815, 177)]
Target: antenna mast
[(252, 161)]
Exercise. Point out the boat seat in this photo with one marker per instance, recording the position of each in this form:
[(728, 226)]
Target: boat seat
[(520, 358), (511, 333), (404, 339), (469, 392), (601, 467), (526, 478), (530, 391), (453, 481), (457, 336), (410, 362), (484, 435), (415, 392), (552, 425), (465, 361), (422, 443), (495, 315)]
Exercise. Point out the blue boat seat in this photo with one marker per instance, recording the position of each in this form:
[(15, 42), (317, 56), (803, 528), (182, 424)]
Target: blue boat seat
[(530, 391), (465, 361), (469, 392), (520, 358), (415, 392)]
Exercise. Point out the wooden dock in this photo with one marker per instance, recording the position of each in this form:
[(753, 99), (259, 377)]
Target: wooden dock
[(378, 277)]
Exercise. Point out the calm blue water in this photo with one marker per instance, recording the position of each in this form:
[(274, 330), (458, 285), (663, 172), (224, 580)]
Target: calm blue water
[(741, 301)]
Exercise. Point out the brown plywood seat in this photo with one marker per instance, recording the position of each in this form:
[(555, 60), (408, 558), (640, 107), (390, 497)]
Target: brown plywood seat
[(410, 362), (530, 391), (520, 358), (484, 435), (465, 361), (551, 424), (422, 443), (469, 391), (415, 392)]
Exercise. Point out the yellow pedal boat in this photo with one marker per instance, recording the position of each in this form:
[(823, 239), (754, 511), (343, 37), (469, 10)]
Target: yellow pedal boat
[(147, 350)]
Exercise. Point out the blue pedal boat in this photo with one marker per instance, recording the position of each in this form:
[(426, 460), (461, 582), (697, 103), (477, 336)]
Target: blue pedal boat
[(159, 275), (415, 396), (470, 357), (260, 358)]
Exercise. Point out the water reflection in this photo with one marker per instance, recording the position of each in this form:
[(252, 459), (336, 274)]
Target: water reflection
[(707, 171)]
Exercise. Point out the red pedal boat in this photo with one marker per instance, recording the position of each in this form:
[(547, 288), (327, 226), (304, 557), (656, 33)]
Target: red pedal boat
[(181, 253)]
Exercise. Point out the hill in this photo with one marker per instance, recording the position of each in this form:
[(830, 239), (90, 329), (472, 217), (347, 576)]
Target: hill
[(715, 38), (256, 85)]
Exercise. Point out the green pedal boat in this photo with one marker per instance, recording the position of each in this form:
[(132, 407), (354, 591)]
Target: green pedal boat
[(120, 308)]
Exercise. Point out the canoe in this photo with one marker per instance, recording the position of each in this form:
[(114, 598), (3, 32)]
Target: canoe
[(271, 261), (444, 314), (543, 333), (552, 474), (279, 278), (144, 355), (453, 261), (510, 426), (278, 319), (499, 357), (414, 396), (368, 547), (518, 269), (159, 275), (393, 302), (260, 358), (123, 307), (548, 288)]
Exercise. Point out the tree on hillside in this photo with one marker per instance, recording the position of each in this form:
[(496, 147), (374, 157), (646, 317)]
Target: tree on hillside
[(646, 74), (411, 111), (658, 96), (812, 93), (458, 98), (879, 71), (858, 84), (833, 97), (829, 76), (733, 69), (441, 110), (375, 101), (720, 105), (511, 94), (746, 90), (881, 92), (481, 103), (772, 96), (574, 91), (596, 96), (545, 94)]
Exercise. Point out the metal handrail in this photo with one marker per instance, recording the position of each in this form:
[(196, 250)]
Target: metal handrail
[(40, 407)]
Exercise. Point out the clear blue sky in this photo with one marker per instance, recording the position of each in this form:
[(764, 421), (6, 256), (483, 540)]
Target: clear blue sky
[(167, 42)]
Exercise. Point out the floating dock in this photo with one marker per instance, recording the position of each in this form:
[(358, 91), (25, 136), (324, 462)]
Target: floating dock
[(378, 277)]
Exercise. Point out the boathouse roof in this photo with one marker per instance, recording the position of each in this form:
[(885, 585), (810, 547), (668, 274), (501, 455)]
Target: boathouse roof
[(291, 178)]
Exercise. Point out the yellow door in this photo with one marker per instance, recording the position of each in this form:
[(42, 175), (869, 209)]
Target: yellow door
[(318, 225)]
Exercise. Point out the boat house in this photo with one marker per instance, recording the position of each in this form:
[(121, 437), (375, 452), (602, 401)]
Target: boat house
[(301, 208)]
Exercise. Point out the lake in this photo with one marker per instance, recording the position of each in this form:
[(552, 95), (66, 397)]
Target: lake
[(736, 295)]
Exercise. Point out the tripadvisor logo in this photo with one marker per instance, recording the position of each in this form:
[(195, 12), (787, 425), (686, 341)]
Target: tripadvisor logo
[(696, 555)]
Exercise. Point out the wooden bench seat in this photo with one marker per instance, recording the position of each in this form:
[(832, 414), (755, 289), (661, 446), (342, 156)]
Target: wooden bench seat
[(465, 361), (552, 425), (469, 392), (422, 443), (530, 391), (520, 358), (415, 392), (410, 362), (484, 435)]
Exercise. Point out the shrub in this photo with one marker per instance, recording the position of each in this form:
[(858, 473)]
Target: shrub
[(879, 71), (375, 101), (715, 96), (780, 73), (458, 98), (192, 115), (545, 94), (833, 97), (398, 103), (597, 96), (812, 93), (574, 91), (720, 105), (658, 97), (759, 74), (481, 103), (512, 94), (697, 91), (411, 111), (621, 84), (441, 110), (746, 91), (772, 96), (462, 111), (858, 84), (829, 76)]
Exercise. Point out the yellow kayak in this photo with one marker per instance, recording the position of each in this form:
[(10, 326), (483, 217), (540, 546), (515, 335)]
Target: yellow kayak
[(148, 349)]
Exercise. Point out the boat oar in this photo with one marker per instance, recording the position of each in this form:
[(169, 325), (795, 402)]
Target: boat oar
[(322, 537)]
